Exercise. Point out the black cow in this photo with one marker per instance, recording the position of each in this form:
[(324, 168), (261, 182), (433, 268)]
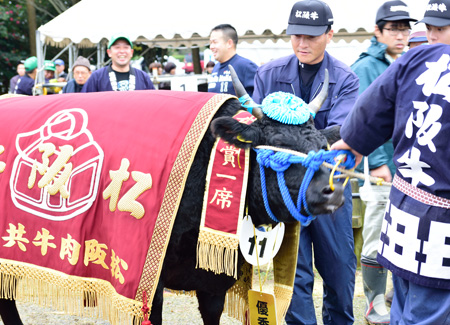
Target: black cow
[(179, 270)]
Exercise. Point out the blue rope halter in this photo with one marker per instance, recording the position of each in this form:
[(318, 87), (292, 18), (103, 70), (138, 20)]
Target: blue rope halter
[(280, 161)]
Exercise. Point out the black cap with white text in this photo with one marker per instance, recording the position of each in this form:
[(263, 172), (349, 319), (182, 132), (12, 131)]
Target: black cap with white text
[(393, 11), (309, 17), (437, 13)]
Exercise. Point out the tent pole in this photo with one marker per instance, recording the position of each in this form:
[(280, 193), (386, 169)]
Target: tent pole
[(71, 60), (196, 60), (40, 58)]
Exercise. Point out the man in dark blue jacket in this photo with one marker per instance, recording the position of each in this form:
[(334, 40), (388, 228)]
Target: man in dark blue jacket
[(409, 103), (25, 84), (387, 45), (223, 41), (120, 75), (302, 74)]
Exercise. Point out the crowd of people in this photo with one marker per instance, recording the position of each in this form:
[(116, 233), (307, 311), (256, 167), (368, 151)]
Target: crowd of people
[(54, 72), (390, 106)]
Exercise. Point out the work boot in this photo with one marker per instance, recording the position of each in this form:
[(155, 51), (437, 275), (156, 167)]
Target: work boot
[(374, 280)]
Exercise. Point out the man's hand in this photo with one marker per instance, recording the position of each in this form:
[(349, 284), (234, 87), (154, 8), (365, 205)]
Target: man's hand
[(341, 145), (382, 172)]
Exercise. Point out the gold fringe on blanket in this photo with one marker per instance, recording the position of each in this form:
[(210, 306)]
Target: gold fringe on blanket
[(84, 297), (236, 301), (217, 252)]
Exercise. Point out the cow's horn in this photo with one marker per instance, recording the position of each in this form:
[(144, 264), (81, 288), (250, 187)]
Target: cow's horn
[(320, 98), (241, 92)]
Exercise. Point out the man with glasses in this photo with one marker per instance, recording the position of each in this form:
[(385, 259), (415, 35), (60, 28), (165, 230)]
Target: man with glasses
[(390, 39)]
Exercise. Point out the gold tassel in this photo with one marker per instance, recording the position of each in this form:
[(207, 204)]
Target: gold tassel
[(217, 253), (85, 297), (236, 302)]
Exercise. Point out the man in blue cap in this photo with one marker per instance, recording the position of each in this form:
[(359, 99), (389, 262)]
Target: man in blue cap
[(328, 240), (26, 83), (61, 75), (119, 75)]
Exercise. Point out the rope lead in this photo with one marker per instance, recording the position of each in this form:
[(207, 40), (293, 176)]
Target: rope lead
[(280, 161)]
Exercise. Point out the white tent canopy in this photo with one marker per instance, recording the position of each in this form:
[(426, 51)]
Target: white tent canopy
[(176, 22), (260, 25)]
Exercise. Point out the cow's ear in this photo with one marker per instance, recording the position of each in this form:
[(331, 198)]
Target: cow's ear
[(332, 134), (238, 134)]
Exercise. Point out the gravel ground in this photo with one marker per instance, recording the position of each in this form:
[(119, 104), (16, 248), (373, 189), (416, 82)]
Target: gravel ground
[(181, 309)]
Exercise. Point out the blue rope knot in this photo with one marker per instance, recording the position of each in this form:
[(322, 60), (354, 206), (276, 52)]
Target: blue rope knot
[(314, 160), (280, 161)]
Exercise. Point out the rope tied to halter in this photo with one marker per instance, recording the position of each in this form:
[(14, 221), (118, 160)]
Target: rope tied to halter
[(280, 161)]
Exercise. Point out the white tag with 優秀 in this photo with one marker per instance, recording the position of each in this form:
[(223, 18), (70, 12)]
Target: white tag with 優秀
[(262, 308)]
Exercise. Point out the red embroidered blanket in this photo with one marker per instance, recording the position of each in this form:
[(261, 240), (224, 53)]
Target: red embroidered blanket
[(84, 181)]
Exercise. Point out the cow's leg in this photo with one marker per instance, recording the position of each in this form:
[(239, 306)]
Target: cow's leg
[(210, 306), (9, 312), (157, 305)]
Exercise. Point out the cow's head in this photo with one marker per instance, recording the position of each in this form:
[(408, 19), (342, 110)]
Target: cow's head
[(320, 198)]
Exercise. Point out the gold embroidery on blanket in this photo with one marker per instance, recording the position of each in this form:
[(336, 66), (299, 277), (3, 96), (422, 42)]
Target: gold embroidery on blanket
[(16, 236), (94, 253), (43, 239), (116, 264), (71, 248), (49, 172), (128, 201)]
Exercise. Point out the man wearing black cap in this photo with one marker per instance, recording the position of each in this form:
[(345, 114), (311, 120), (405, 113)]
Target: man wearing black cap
[(119, 75), (331, 236), (389, 42), (409, 103), (437, 20)]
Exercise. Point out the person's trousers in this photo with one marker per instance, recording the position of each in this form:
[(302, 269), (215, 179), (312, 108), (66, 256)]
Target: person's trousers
[(373, 219), (419, 305), (331, 238)]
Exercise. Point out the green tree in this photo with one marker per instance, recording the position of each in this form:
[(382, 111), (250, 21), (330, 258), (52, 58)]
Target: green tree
[(17, 39)]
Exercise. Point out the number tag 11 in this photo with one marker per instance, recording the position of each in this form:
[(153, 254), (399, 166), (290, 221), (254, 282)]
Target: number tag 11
[(267, 244)]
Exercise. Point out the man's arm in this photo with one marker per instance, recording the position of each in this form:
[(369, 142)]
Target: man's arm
[(343, 103), (258, 92), (249, 82)]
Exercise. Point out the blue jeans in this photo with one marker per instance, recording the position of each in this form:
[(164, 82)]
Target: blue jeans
[(331, 237), (418, 305)]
